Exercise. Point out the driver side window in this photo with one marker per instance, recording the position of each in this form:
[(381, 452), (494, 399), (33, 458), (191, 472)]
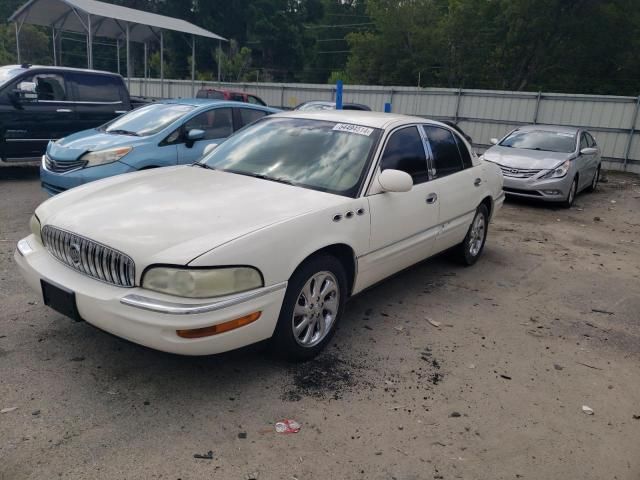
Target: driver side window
[(405, 151)]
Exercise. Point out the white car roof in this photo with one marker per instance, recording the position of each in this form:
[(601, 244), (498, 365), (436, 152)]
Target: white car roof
[(357, 117)]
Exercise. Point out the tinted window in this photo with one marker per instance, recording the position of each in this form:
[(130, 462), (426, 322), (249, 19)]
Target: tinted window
[(309, 153), (464, 152), (49, 86), (210, 94), (446, 156), (563, 142), (216, 123), (236, 97), (583, 141), (255, 100), (97, 88), (405, 151), (249, 115)]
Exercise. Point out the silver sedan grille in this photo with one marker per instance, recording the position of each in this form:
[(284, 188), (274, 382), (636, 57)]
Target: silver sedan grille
[(89, 257), (518, 172), (62, 167)]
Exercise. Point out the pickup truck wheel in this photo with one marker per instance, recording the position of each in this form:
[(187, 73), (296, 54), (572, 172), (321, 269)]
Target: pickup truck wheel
[(471, 247), (312, 307)]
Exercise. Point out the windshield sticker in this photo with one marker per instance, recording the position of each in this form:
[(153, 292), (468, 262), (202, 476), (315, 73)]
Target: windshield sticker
[(347, 127)]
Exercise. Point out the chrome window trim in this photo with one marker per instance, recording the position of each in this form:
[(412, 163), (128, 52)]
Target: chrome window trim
[(176, 308)]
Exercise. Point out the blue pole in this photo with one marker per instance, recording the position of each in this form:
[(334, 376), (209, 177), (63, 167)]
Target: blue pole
[(339, 95), (387, 107)]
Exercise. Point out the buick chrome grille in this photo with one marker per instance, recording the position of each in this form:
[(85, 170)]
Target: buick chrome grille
[(62, 167), (89, 257)]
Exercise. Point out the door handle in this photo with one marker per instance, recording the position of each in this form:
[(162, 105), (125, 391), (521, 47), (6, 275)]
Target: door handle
[(431, 198), (63, 110), (477, 182), (120, 111)]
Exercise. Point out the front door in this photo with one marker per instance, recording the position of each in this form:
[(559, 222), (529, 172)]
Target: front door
[(48, 115), (403, 225), (217, 125)]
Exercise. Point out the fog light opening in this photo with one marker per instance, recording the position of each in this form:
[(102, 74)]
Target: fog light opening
[(551, 192), (220, 328)]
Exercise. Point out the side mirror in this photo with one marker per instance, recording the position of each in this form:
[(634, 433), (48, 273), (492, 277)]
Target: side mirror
[(209, 148), (395, 181), (588, 151), (494, 141), (192, 136)]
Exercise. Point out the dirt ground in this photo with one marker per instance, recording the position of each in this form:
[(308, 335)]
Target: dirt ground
[(546, 322)]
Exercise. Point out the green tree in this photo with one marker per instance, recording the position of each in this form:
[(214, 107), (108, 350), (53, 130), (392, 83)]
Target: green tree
[(234, 64)]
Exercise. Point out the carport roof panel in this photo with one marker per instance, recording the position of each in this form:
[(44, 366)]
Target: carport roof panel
[(107, 20)]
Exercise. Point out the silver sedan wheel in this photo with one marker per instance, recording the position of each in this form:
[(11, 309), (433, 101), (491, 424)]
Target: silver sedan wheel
[(476, 237), (316, 309), (572, 192)]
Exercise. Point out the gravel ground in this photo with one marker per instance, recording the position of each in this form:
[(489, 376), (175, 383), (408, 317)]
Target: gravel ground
[(546, 322)]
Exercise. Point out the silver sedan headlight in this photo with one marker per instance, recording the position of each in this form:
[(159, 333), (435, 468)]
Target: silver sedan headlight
[(560, 171), (202, 282), (101, 157)]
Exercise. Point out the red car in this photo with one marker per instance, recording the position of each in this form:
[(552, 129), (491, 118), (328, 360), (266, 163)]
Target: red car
[(222, 94)]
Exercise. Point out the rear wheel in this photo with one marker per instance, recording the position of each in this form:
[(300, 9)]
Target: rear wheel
[(471, 247), (312, 306), (571, 196), (594, 181)]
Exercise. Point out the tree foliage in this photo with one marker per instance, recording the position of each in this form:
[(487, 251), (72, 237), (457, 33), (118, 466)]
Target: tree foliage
[(582, 46)]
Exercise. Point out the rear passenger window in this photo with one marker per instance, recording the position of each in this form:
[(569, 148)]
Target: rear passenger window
[(97, 88), (249, 115), (464, 152), (255, 100), (216, 123), (405, 151), (446, 156)]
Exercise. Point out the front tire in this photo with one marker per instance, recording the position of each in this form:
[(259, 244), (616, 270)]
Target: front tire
[(472, 246), (573, 192), (594, 181), (312, 306)]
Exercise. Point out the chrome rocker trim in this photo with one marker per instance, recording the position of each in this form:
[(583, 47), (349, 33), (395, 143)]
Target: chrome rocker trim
[(174, 308)]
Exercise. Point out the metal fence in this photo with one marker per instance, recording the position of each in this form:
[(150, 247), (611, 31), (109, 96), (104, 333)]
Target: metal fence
[(483, 114)]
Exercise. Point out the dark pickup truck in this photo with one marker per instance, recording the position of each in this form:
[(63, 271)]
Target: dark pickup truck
[(38, 104)]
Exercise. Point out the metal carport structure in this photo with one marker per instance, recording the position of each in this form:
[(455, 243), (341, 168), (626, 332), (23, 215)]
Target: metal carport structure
[(99, 19)]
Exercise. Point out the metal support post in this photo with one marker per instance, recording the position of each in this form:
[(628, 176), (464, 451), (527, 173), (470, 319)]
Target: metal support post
[(53, 42), (455, 118), (146, 76), (128, 58), (535, 115), (632, 131), (161, 64), (219, 58), (193, 65), (89, 43)]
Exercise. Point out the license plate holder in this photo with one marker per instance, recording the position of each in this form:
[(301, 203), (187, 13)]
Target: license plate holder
[(60, 299)]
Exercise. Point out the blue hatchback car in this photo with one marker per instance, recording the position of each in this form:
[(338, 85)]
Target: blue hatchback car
[(160, 134)]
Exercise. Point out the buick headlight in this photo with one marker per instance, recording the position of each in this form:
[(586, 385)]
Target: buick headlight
[(560, 171), (202, 283), (100, 157), (34, 225)]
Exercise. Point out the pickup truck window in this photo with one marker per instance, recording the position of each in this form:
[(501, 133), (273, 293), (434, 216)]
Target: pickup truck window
[(50, 87), (97, 88)]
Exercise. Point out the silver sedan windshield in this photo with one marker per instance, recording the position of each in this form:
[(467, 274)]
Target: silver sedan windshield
[(562, 142), (322, 155)]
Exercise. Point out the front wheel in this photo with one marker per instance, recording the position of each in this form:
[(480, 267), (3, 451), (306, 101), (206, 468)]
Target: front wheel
[(571, 196), (312, 307), (471, 247), (594, 181)]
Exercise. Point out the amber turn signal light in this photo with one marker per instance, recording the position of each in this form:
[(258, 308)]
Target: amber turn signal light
[(220, 328)]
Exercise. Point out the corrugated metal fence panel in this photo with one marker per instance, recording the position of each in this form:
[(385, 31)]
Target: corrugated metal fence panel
[(483, 114)]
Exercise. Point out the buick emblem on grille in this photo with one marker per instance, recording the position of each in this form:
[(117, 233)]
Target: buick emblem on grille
[(74, 253)]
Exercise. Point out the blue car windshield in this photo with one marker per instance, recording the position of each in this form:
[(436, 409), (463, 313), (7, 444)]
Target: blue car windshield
[(563, 142), (147, 120), (321, 155)]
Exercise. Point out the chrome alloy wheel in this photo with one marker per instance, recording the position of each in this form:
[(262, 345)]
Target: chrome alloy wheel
[(572, 192), (476, 237), (315, 309), (596, 177)]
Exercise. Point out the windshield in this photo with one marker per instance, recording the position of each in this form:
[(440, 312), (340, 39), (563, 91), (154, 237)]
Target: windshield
[(326, 156), (7, 73), (147, 120), (316, 106), (562, 142)]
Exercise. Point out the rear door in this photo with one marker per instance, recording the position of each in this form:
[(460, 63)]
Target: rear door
[(458, 182), (47, 115), (98, 98), (217, 124)]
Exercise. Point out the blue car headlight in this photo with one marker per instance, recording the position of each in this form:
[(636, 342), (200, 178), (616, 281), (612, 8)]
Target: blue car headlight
[(101, 157)]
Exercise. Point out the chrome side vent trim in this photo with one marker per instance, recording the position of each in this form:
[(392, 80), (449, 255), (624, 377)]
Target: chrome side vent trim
[(89, 257)]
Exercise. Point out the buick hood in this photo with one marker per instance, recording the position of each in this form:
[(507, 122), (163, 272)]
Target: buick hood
[(174, 214), (74, 146), (522, 158)]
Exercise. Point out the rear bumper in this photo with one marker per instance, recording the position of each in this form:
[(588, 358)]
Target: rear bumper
[(550, 190), (149, 318)]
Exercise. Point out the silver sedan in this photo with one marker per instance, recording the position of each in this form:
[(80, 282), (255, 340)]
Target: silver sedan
[(548, 163)]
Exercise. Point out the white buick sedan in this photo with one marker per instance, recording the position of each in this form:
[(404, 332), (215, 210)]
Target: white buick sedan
[(266, 237)]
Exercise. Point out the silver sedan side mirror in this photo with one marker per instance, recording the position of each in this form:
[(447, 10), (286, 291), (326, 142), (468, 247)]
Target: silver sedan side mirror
[(494, 141), (588, 151)]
